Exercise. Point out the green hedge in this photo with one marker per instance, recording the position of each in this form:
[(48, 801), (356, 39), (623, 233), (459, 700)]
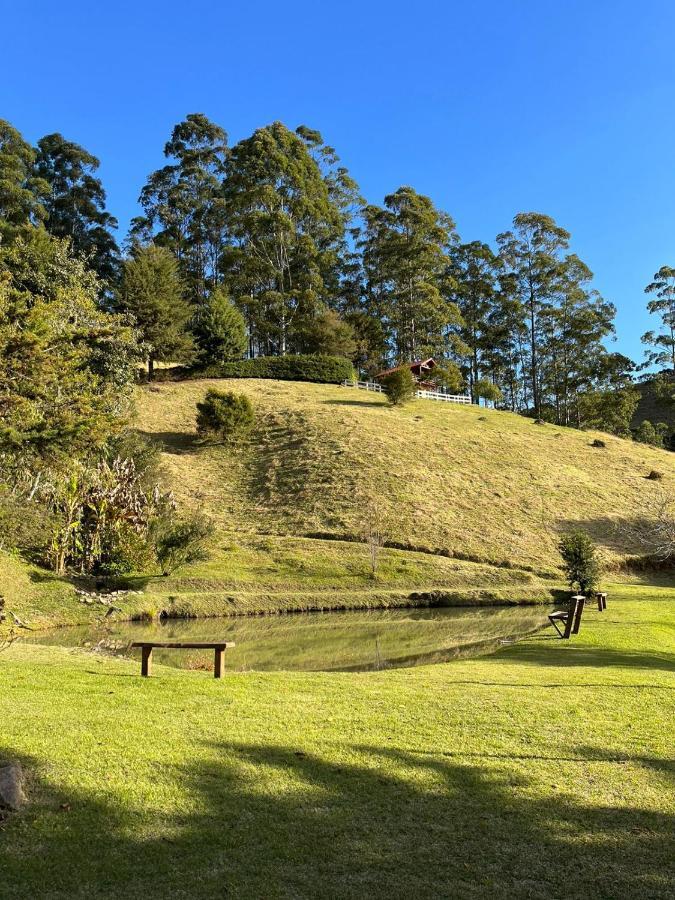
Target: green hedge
[(321, 369)]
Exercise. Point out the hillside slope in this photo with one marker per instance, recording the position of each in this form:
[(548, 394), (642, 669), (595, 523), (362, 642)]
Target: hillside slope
[(474, 483)]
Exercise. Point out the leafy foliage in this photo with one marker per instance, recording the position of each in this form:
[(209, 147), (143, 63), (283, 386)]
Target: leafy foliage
[(219, 330), (399, 386), (180, 541), (75, 204), (66, 367), (321, 369), (610, 410), (152, 293), (225, 415), (580, 561), (22, 194)]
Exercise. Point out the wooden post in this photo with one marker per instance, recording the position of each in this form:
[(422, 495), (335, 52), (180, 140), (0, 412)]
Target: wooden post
[(146, 661), (577, 616), (218, 662)]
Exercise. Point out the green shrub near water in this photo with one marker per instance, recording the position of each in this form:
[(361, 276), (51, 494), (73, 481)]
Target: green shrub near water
[(320, 369), (580, 561)]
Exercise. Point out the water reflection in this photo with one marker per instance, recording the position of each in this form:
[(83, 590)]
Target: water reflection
[(334, 641)]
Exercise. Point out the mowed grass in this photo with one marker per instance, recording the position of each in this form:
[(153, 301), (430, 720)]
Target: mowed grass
[(255, 575), (490, 486), (543, 771)]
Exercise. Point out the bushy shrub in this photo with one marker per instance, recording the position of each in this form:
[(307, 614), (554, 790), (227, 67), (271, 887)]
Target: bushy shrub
[(399, 386), (178, 542), (580, 561), (320, 369), (225, 415)]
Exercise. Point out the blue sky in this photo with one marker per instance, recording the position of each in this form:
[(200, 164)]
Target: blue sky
[(490, 108)]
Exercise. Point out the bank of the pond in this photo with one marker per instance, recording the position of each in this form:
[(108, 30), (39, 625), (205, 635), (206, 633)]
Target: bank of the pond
[(259, 576), (542, 771)]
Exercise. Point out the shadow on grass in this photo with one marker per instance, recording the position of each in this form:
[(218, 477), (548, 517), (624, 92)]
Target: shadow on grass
[(177, 442), (253, 821), (592, 657), (380, 405)]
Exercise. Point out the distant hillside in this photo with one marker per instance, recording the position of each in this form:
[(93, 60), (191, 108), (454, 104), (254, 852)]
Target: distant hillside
[(479, 484)]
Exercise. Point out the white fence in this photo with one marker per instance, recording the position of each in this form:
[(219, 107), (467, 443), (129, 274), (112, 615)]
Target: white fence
[(423, 395)]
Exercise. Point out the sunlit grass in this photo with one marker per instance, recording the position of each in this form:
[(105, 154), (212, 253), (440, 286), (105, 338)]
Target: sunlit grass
[(542, 771)]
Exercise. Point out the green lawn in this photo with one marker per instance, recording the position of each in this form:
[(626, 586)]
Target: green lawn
[(540, 772)]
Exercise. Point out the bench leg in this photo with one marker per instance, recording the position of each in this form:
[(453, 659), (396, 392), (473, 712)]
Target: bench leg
[(577, 616), (146, 661), (218, 663), (554, 622)]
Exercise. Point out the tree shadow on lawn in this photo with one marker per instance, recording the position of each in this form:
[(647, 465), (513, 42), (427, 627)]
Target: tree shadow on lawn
[(176, 442), (277, 822), (380, 405), (538, 654)]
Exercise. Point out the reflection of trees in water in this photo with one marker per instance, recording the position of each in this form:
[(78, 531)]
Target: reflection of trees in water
[(331, 641)]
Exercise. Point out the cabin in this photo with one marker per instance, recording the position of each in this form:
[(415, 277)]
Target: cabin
[(420, 370)]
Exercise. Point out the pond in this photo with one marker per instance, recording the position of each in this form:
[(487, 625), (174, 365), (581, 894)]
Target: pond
[(331, 641)]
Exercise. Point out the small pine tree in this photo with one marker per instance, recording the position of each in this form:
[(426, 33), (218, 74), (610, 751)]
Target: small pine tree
[(152, 292), (580, 561), (225, 415), (399, 386), (219, 330)]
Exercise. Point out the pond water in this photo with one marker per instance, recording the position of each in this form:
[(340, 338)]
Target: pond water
[(332, 641)]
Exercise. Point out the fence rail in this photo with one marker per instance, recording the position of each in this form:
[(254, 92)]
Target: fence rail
[(423, 395)]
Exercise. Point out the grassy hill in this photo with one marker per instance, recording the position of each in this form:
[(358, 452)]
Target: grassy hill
[(473, 502), (476, 484)]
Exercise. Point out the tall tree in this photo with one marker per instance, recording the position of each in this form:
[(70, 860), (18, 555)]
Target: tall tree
[(662, 342), (21, 192), (152, 293), (405, 248), (532, 251), (66, 367), (183, 204), (287, 207), (75, 204), (475, 284)]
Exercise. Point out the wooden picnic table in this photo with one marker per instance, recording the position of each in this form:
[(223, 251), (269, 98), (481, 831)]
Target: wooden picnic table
[(219, 647)]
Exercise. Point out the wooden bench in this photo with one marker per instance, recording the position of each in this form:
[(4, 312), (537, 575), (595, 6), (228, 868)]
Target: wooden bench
[(219, 647), (570, 618)]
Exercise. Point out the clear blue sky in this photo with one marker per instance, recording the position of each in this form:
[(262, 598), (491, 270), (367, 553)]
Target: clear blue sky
[(490, 108)]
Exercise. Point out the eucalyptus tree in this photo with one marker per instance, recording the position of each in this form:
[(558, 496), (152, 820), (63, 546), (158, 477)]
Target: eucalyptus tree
[(662, 342), (573, 331), (532, 253), (21, 192), (183, 205), (475, 285), (75, 205), (406, 245), (287, 214)]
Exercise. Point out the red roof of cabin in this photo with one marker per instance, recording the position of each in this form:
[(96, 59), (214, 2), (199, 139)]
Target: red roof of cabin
[(415, 367)]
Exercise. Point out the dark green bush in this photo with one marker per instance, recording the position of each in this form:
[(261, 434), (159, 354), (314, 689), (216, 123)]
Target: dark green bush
[(580, 561), (225, 415), (320, 369), (399, 386)]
